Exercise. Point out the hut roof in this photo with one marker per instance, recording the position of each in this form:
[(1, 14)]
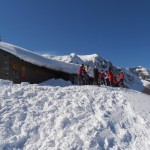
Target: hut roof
[(38, 59)]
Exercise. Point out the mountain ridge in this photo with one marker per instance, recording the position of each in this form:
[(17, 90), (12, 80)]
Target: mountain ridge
[(135, 77)]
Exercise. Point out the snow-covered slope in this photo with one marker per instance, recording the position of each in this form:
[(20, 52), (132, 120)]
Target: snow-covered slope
[(144, 73), (34, 117)]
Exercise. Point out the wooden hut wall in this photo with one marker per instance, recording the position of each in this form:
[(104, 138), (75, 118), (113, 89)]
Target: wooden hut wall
[(17, 70), (4, 65)]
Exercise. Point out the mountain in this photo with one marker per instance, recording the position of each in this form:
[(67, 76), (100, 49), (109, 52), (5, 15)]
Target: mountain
[(137, 78)]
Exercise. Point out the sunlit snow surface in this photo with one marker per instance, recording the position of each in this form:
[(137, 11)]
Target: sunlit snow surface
[(53, 117)]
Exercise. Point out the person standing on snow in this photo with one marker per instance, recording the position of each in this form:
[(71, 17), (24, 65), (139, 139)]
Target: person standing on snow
[(110, 76), (81, 74), (84, 75), (115, 82), (102, 77), (106, 78), (121, 79), (96, 75), (87, 70)]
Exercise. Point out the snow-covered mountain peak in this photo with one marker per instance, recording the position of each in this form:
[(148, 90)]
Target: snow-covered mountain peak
[(73, 58), (142, 72)]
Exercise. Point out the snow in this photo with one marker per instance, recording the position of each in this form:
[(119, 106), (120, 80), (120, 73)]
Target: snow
[(56, 115), (56, 82), (134, 81), (89, 57), (145, 71), (72, 58), (146, 83)]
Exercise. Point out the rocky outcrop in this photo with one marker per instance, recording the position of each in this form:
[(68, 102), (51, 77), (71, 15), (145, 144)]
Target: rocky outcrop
[(146, 90)]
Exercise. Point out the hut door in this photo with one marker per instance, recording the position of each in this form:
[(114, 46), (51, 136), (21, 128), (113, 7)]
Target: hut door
[(4, 66), (16, 72)]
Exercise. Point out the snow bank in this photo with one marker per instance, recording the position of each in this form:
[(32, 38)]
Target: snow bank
[(73, 117), (56, 82)]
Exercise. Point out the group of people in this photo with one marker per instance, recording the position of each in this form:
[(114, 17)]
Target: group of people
[(107, 78)]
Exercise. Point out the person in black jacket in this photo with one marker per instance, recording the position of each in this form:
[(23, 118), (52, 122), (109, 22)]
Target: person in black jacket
[(96, 75)]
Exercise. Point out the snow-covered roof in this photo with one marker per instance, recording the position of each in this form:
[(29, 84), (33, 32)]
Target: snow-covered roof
[(38, 59)]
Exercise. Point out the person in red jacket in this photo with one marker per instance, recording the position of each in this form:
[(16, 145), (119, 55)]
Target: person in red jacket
[(81, 72), (102, 77), (110, 76), (115, 82), (121, 79)]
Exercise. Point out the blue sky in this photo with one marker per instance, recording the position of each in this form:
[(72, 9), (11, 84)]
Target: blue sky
[(117, 30)]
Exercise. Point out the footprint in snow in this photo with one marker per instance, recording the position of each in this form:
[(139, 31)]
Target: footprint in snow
[(107, 114), (22, 116), (64, 123), (111, 126)]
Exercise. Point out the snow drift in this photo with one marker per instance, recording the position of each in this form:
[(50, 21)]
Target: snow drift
[(36, 117)]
